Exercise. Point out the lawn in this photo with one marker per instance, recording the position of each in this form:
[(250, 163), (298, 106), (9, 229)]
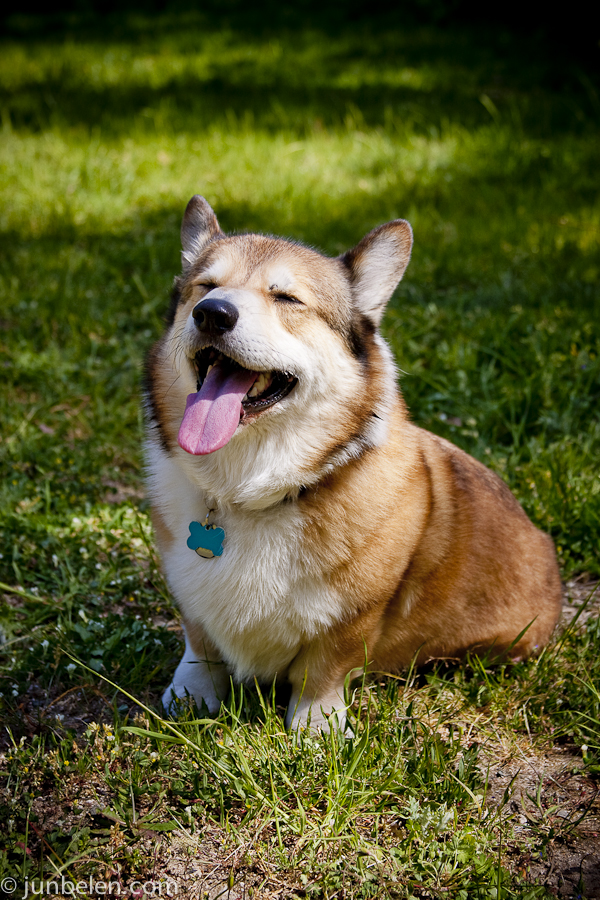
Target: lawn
[(463, 782)]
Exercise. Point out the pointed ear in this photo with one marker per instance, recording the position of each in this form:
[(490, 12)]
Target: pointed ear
[(376, 266), (199, 226)]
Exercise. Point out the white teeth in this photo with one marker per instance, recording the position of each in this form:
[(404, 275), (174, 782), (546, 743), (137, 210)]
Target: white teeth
[(212, 365), (259, 385), (261, 382)]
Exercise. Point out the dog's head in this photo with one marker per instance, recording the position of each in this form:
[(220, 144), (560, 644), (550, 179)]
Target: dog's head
[(273, 348)]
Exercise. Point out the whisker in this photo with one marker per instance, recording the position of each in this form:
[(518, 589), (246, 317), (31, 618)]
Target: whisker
[(173, 383)]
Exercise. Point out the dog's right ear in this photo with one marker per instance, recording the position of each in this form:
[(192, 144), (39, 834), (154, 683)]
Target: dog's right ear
[(199, 226)]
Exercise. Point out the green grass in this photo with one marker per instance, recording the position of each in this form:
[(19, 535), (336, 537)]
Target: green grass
[(489, 147)]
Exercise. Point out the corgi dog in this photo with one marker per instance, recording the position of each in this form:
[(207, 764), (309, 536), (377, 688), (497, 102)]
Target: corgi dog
[(305, 525)]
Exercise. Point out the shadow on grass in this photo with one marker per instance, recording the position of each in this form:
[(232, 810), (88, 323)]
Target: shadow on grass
[(378, 72)]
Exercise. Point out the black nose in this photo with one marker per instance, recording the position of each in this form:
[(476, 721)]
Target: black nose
[(215, 315)]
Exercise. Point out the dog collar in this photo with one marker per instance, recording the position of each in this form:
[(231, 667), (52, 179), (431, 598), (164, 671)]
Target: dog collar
[(205, 539)]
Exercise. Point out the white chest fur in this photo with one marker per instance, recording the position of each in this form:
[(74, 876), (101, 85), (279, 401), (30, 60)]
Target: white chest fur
[(264, 597)]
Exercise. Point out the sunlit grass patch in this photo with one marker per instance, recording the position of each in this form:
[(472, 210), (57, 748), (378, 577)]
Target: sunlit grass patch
[(318, 134)]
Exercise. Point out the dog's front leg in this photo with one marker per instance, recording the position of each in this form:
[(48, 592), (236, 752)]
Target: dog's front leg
[(318, 679), (318, 710), (201, 674)]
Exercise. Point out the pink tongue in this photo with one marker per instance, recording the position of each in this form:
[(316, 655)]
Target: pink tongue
[(212, 415)]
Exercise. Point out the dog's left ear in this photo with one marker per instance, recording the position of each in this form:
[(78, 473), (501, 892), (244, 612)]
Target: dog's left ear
[(199, 226), (376, 266)]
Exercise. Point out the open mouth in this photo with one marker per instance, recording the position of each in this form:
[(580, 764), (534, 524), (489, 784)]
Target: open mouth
[(226, 394), (268, 388)]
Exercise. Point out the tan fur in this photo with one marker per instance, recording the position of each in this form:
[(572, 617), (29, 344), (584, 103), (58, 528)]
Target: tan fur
[(422, 551), (460, 566), (163, 534)]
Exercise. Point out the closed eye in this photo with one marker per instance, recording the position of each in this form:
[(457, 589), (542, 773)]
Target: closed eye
[(287, 298), (209, 285)]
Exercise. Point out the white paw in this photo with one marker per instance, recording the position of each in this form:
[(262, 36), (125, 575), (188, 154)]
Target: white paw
[(318, 716), (199, 680)]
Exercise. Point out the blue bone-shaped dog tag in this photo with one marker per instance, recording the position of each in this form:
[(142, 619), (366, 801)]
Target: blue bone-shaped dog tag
[(206, 540)]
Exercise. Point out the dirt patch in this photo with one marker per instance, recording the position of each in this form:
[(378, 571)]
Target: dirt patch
[(555, 807), (119, 492), (553, 804), (578, 592)]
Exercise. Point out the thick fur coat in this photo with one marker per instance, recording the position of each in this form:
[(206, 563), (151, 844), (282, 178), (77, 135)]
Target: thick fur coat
[(350, 534)]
